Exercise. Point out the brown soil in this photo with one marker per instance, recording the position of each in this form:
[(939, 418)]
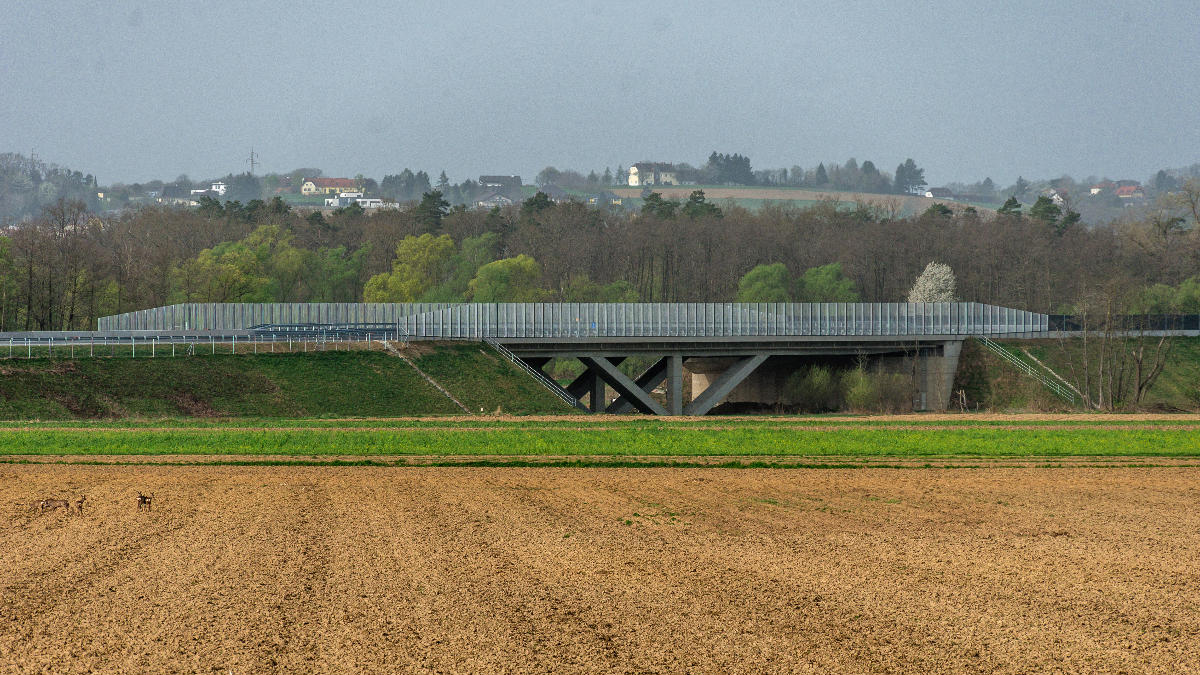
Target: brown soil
[(190, 405), (323, 569), (750, 461)]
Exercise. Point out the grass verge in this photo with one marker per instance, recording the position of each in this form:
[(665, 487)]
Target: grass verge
[(569, 439)]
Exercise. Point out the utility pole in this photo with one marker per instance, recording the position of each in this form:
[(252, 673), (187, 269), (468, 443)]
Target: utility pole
[(252, 160)]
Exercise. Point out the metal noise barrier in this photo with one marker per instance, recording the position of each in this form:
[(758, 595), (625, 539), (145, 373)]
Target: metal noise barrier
[(585, 320)]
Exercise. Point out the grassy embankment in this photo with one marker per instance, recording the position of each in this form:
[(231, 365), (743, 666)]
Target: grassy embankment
[(331, 383), (992, 384)]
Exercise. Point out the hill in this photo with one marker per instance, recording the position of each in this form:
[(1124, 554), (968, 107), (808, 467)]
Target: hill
[(342, 384), (755, 197)]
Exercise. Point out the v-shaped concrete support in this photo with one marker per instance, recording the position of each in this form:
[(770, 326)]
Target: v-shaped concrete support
[(720, 388), (669, 368), (588, 383), (647, 381), (625, 387)]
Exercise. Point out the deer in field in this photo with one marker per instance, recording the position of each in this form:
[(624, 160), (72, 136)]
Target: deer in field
[(143, 501)]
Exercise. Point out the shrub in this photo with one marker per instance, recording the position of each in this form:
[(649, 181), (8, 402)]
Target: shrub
[(860, 390), (878, 392), (814, 389)]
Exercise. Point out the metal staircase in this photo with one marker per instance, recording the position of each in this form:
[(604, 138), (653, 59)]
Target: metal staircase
[(1058, 388), (535, 374)]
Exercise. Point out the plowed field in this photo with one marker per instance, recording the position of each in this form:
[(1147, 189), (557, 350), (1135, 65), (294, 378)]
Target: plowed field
[(369, 569)]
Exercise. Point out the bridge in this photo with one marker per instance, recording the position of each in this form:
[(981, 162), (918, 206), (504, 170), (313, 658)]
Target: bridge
[(731, 352)]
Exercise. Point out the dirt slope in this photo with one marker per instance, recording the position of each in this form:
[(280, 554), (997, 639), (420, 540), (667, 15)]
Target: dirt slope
[(601, 570)]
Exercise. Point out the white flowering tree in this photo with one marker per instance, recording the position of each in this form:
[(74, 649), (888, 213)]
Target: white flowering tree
[(936, 284)]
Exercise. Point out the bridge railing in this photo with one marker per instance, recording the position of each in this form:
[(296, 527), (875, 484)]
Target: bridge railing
[(78, 344), (583, 320), (538, 375), (1058, 388)]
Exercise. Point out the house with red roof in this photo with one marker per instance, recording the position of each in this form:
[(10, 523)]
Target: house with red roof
[(325, 186), (1130, 192)]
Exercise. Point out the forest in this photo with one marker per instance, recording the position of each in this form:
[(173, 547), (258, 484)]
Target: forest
[(69, 266)]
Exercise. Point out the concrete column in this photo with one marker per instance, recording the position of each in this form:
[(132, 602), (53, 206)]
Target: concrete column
[(675, 384), (597, 390), (936, 368)]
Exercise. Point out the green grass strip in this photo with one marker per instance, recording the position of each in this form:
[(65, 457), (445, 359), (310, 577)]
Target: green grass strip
[(663, 440), (799, 423)]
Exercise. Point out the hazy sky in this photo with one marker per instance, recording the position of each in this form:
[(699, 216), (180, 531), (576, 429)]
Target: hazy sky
[(137, 90)]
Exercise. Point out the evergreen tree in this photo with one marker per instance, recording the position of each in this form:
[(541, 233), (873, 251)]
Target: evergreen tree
[(1065, 223), (820, 177), (909, 177), (432, 209), (1020, 187), (938, 211), (1163, 182), (1045, 210), (1012, 207), (696, 206), (538, 202), (420, 185), (654, 204)]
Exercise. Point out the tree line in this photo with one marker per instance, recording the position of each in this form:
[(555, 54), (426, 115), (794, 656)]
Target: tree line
[(68, 267)]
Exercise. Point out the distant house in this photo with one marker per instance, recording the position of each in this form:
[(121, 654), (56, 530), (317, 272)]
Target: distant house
[(174, 195), (1130, 192), (327, 186), (491, 200), (499, 183), (652, 173), (605, 198), (939, 193), (1103, 186), (216, 189), (342, 199), (347, 198)]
